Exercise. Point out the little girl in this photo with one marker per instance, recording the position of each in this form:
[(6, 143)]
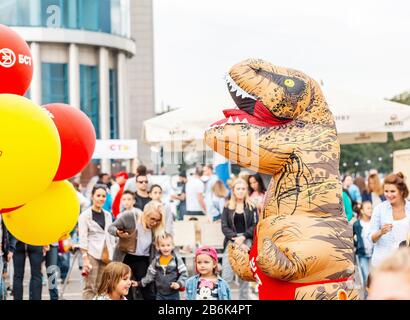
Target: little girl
[(363, 245), (115, 282), (207, 285)]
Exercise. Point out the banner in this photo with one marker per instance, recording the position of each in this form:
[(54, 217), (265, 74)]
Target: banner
[(116, 149)]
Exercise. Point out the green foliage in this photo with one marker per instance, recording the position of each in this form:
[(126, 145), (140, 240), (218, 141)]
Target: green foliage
[(356, 156)]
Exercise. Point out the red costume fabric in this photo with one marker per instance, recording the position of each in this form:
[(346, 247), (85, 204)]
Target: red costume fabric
[(117, 201), (274, 289)]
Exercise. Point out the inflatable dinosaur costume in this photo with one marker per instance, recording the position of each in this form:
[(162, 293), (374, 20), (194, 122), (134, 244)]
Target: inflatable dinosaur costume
[(303, 247)]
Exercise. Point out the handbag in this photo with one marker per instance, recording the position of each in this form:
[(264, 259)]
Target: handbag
[(105, 257), (129, 244)]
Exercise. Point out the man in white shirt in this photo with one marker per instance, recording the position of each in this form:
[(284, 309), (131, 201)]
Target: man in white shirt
[(195, 188)]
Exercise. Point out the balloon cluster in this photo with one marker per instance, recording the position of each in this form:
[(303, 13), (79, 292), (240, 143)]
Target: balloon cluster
[(40, 148)]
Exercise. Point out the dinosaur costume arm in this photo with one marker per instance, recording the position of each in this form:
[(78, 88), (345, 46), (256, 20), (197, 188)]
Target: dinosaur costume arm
[(239, 260), (276, 264)]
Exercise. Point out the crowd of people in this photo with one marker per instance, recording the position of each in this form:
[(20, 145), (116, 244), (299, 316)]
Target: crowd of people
[(379, 214), (124, 238), (125, 227)]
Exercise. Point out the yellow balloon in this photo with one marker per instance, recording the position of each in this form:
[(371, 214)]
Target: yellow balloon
[(30, 150), (48, 218)]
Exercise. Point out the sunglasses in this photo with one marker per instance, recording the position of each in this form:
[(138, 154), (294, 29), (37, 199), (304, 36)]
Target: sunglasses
[(146, 182)]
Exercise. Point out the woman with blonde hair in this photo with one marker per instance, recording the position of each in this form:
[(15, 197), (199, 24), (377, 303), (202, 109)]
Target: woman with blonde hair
[(136, 245), (375, 192), (238, 224)]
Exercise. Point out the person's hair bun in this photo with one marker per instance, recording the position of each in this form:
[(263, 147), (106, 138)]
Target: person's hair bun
[(400, 175)]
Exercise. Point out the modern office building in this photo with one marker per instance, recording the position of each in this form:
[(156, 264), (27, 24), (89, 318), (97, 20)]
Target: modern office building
[(93, 54)]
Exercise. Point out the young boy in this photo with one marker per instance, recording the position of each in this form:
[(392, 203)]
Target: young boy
[(167, 270), (127, 202)]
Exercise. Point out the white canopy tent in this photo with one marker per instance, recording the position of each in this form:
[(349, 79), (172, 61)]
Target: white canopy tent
[(358, 120)]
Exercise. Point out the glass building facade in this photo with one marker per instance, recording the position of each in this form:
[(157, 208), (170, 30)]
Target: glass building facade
[(90, 95), (80, 51), (54, 83), (114, 121), (108, 16)]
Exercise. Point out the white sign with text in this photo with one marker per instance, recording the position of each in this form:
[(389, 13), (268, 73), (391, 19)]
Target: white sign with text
[(116, 149)]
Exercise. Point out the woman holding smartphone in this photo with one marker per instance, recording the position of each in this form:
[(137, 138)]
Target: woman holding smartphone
[(390, 222)]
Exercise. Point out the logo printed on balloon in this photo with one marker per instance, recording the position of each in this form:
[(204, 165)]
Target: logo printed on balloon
[(24, 60), (7, 58), (16, 63)]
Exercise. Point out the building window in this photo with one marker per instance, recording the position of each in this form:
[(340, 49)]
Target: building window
[(54, 83), (90, 95), (89, 14), (114, 123), (19, 13), (120, 18), (105, 16), (108, 16)]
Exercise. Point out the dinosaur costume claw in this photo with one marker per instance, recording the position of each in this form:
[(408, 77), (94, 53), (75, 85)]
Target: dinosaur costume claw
[(239, 260), (282, 126)]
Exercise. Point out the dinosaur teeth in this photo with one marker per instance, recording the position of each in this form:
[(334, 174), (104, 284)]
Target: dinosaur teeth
[(235, 88), (231, 121)]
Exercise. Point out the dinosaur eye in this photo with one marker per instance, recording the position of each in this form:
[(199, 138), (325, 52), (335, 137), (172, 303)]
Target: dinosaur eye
[(289, 83)]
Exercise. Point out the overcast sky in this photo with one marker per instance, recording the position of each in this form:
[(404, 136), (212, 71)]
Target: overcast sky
[(362, 47)]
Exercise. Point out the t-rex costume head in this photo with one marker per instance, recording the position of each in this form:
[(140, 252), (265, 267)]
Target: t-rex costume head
[(303, 247)]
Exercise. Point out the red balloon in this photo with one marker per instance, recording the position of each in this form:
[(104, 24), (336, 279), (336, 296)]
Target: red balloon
[(16, 62), (8, 210), (77, 136)]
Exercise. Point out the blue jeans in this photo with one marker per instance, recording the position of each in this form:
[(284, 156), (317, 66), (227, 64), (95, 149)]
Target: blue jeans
[(35, 255), (217, 218), (63, 263), (172, 296), (3, 289), (52, 272), (364, 266)]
